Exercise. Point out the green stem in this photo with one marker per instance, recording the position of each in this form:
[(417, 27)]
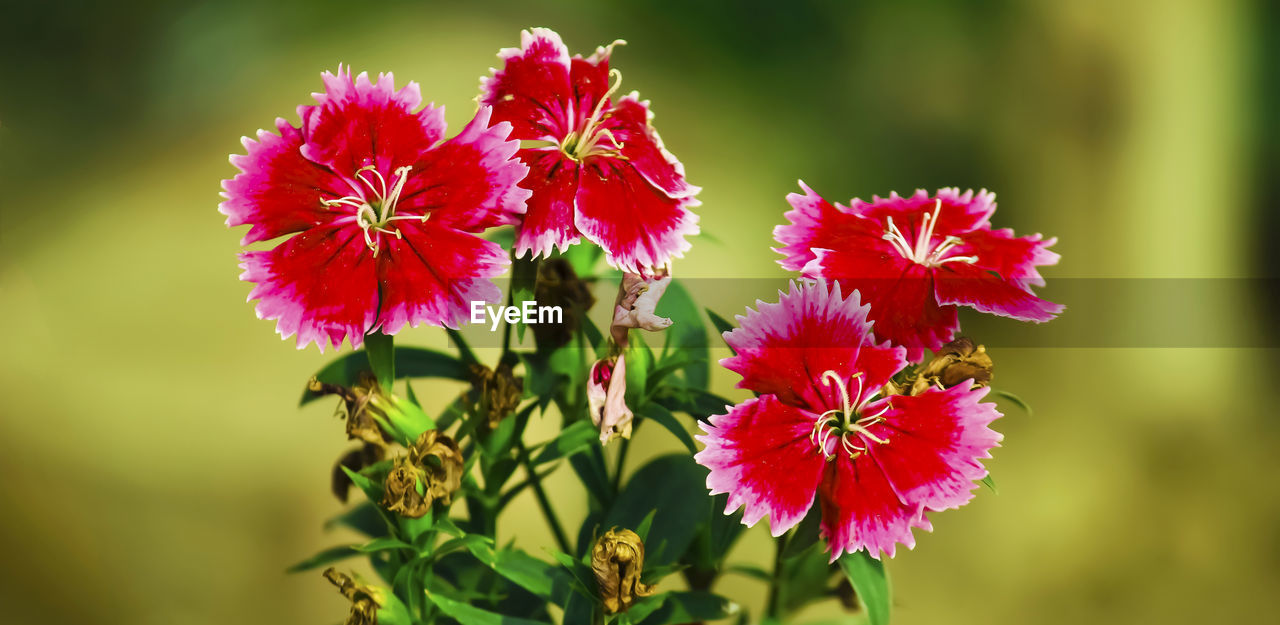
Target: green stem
[(543, 501), (773, 608), (380, 348), (621, 462)]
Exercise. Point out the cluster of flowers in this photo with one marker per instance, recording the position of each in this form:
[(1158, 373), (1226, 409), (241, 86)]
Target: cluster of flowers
[(382, 215)]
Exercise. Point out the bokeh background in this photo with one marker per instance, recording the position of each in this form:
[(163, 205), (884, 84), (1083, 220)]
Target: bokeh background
[(154, 467)]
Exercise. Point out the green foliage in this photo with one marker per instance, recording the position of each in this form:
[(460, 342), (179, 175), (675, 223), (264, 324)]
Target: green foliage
[(409, 362), (871, 583)]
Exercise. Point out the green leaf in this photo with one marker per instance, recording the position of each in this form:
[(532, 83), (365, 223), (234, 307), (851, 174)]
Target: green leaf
[(642, 529), (385, 543), (524, 277), (363, 517), (371, 489), (639, 363), (326, 557), (990, 483), (688, 607), (571, 440), (1015, 400), (380, 348), (667, 420), (805, 578), (583, 258), (687, 335), (470, 615), (547, 582), (804, 536), (721, 324), (410, 362), (679, 505), (468, 356), (583, 579), (870, 583), (750, 570)]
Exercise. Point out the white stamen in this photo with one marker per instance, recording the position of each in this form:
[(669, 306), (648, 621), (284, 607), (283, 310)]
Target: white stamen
[(923, 252), (371, 221), (841, 420)]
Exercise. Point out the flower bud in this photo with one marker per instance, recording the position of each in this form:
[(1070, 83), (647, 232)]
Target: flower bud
[(607, 398), (617, 560), (956, 362), (495, 392)]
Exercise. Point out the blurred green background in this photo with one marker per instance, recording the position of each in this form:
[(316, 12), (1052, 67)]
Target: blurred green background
[(155, 466)]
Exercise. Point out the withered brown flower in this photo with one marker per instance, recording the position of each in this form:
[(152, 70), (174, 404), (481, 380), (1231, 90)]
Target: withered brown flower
[(365, 601), (432, 471), (495, 392), (617, 560), (559, 285), (356, 408), (956, 362), (354, 460)]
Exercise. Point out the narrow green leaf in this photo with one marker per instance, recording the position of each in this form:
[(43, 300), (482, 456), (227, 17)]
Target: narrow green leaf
[(380, 348), (721, 324), (547, 582), (687, 335), (468, 356), (690, 606), (869, 580), (750, 570), (326, 557), (583, 259), (667, 420), (679, 501), (371, 489), (410, 362), (804, 536), (571, 440), (385, 543), (471, 615), (363, 517), (990, 483), (1015, 400), (642, 529)]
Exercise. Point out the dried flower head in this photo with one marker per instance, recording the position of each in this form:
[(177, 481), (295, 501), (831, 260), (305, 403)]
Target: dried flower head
[(617, 560), (356, 408), (495, 392), (956, 362), (365, 601), (432, 471), (559, 285)]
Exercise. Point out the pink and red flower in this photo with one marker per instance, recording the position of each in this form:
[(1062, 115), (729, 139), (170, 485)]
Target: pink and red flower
[(379, 209), (914, 259), (604, 173), (819, 429)]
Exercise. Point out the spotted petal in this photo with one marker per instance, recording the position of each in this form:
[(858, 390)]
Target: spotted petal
[(760, 453)]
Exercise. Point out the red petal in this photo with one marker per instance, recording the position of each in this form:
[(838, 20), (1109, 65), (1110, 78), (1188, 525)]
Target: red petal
[(960, 212), (277, 191), (971, 285), (548, 222), (761, 455), (817, 224), (861, 511), (469, 182), (900, 292), (531, 89), (359, 123), (784, 348), (629, 121), (320, 284), (1012, 257), (638, 225), (934, 444), (433, 273), (590, 80)]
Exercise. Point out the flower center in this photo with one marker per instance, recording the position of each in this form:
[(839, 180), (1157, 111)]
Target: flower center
[(591, 138), (923, 252), (847, 422), (376, 208)]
